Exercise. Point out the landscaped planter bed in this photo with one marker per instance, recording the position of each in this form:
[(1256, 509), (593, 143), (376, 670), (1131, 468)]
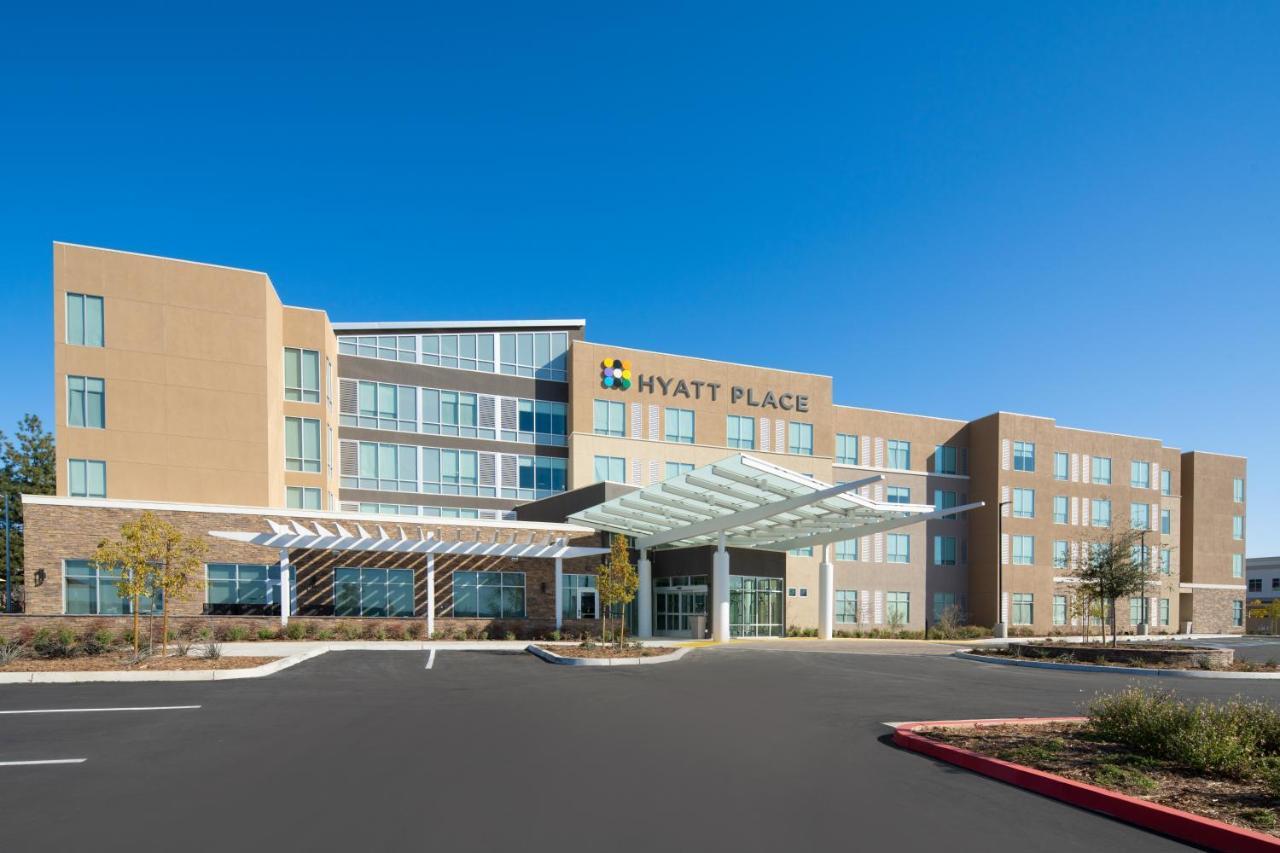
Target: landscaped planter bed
[(1068, 750), (122, 662), (1163, 655), (599, 651)]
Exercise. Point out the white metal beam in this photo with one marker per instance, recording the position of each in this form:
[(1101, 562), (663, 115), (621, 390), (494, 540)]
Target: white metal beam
[(866, 530)]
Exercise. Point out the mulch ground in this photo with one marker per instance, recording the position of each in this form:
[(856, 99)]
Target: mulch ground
[(608, 651), (1066, 657), (1065, 749), (118, 662)]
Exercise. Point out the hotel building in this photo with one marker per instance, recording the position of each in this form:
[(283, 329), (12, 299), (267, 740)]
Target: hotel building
[(189, 389)]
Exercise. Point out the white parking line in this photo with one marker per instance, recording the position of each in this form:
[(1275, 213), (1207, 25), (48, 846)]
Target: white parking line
[(45, 761), (97, 710), (431, 659)]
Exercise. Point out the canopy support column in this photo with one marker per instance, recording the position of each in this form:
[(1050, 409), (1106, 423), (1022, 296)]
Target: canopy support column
[(826, 595), (285, 604), (431, 596), (559, 592), (720, 590), (644, 595)]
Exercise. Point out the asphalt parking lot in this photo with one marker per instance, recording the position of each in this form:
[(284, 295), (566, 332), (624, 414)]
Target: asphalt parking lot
[(736, 748)]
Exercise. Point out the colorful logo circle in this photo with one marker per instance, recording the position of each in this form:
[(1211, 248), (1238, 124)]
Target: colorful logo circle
[(615, 373)]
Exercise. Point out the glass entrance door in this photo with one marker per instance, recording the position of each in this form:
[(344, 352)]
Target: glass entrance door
[(755, 606), (672, 607)]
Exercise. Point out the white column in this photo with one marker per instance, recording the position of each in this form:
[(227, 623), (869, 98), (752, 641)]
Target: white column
[(644, 595), (826, 595), (431, 595), (720, 592), (284, 586), (559, 593)]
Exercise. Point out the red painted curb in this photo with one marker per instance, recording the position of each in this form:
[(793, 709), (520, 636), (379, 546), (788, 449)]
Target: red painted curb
[(1181, 825)]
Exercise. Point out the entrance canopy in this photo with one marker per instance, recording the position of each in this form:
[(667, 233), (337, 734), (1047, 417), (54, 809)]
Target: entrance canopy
[(752, 504), (398, 540)]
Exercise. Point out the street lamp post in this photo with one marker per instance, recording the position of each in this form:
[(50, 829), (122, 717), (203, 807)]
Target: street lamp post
[(1000, 629), (1145, 627), (8, 575)]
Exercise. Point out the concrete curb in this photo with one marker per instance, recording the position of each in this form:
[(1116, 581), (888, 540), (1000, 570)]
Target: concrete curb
[(1120, 670), (172, 675), (1180, 825), (552, 657)]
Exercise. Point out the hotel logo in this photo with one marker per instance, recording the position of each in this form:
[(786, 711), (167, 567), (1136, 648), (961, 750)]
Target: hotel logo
[(615, 373)]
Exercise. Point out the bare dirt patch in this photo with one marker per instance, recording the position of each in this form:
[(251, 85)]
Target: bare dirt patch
[(115, 662), (608, 651), (1068, 749)]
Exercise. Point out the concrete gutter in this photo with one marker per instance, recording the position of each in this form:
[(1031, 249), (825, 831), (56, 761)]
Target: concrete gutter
[(159, 675), (289, 647), (552, 657), (1118, 670)]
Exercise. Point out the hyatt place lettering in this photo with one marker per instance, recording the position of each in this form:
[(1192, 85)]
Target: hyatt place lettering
[(695, 389)]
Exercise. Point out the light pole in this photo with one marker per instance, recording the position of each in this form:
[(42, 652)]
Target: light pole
[(1145, 627), (1000, 629), (8, 576)]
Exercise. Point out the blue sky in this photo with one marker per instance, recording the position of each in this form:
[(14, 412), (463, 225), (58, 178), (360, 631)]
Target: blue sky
[(1059, 209)]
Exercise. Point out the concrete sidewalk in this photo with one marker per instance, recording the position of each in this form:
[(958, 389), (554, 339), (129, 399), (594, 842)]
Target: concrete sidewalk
[(272, 648)]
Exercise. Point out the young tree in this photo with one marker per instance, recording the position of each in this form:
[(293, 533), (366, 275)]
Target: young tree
[(154, 557), (1269, 610), (28, 465), (1111, 568), (616, 583)]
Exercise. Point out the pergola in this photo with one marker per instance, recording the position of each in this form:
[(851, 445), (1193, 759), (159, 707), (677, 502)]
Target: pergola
[(415, 540), (745, 502)]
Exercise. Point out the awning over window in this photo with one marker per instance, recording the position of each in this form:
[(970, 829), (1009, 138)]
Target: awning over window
[(413, 541), (754, 504)]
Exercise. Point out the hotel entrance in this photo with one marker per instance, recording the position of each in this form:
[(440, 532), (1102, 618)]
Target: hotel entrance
[(676, 599), (755, 606)]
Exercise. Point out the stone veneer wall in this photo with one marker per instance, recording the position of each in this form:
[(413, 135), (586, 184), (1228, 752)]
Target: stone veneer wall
[(55, 533)]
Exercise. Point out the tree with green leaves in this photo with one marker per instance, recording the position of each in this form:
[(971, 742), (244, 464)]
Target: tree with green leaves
[(1113, 567), (1269, 610), (28, 466), (616, 583), (154, 558)]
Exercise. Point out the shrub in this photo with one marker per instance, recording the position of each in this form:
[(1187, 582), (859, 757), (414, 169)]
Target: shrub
[(235, 633), (510, 635), (265, 633), (96, 642), (437, 634), (1123, 778), (54, 644), (296, 630), (10, 651), (346, 631), (323, 632), (212, 651), (376, 631), (1260, 818), (554, 636), (415, 631)]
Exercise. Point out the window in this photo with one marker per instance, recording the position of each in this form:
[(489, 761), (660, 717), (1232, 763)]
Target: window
[(609, 418), (1024, 503), (542, 355), (944, 550), (1237, 565), (1024, 550), (375, 592), (537, 477), (1137, 610), (1237, 613), (241, 588), (847, 550), (446, 412), (1059, 553), (301, 375), (1059, 509), (740, 432), (569, 598), (1237, 527), (381, 405), (611, 468), (1164, 611), (1166, 561), (1140, 554), (1255, 584), (944, 499), (1100, 468), (801, 552), (898, 495), (1101, 510), (1024, 456), (1275, 583), (446, 471), (84, 320), (1166, 521), (301, 497), (899, 454), (1061, 462), (1023, 608), (86, 402), (897, 607), (1059, 610), (91, 591), (1237, 489), (847, 605), (800, 439), (497, 595), (944, 601), (389, 467), (680, 425), (1140, 516), (899, 547), (465, 352), (846, 449), (387, 347), (945, 460), (302, 444), (675, 469), (1166, 481), (87, 478), (1140, 474)]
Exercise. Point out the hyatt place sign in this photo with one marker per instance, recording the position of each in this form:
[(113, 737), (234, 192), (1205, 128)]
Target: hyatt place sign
[(615, 374)]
